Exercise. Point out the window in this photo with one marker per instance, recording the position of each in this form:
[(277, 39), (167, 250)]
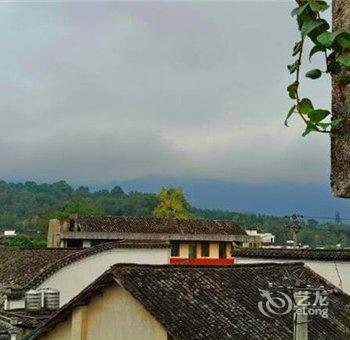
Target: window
[(222, 250), (192, 250), (205, 249), (74, 243), (175, 248)]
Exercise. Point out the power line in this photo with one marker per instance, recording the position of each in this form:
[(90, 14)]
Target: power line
[(324, 218)]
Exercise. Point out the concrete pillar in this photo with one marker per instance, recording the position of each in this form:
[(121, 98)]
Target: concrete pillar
[(300, 329)]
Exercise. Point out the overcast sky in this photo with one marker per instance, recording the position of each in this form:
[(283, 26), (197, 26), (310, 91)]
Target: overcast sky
[(97, 92)]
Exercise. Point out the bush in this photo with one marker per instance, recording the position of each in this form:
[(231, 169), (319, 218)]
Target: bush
[(25, 242)]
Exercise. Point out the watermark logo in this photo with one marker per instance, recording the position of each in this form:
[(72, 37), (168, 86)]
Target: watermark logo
[(274, 304), (306, 302)]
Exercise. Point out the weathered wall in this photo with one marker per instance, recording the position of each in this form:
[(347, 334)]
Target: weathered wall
[(326, 269), (112, 315), (340, 140), (53, 233), (73, 278)]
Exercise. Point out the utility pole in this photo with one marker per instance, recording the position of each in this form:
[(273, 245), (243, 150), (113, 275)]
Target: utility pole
[(300, 322), (304, 301)]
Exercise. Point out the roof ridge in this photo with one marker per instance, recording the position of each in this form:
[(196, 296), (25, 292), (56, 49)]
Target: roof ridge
[(155, 218), (186, 267)]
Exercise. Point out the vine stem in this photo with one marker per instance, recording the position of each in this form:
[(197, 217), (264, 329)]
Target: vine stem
[(297, 79)]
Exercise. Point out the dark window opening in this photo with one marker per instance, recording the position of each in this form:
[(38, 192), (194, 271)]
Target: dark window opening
[(74, 243), (175, 248), (222, 250), (192, 250), (205, 249)]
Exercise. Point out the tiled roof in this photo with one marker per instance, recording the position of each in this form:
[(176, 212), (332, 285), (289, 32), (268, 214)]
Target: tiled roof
[(215, 302), (281, 253), (50, 270), (121, 224), (18, 266), (24, 319), (29, 267), (4, 330)]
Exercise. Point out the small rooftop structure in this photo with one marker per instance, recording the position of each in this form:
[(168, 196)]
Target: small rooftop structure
[(265, 238)]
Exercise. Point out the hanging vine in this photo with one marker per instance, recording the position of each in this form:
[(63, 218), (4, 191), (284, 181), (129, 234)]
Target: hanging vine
[(335, 47)]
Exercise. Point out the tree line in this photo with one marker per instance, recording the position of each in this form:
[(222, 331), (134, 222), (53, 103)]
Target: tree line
[(27, 207)]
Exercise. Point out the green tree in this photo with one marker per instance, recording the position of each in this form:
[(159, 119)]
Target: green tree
[(172, 204), (80, 205), (22, 241)]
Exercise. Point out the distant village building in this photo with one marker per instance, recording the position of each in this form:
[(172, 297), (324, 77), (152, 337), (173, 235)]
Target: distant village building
[(333, 265), (194, 242), (264, 238), (131, 302), (9, 233)]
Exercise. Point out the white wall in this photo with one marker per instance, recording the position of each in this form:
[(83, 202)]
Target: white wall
[(73, 278), (327, 269)]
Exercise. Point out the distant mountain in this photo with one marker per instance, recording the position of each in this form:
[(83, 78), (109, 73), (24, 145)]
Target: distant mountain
[(280, 198)]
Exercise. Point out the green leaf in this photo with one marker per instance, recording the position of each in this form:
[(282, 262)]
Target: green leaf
[(327, 38), (299, 10), (315, 49), (318, 5), (293, 67), (309, 128), (305, 106), (297, 48), (290, 112), (344, 60), (314, 74), (333, 124), (292, 90), (324, 126), (317, 115), (333, 66), (344, 40), (312, 25)]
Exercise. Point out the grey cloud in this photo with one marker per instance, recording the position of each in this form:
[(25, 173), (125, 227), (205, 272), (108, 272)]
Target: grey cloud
[(104, 91)]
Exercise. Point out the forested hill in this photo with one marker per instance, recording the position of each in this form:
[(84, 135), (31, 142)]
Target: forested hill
[(28, 206)]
